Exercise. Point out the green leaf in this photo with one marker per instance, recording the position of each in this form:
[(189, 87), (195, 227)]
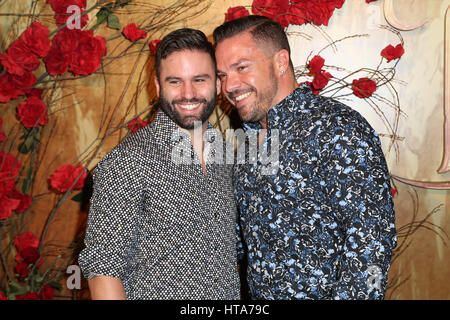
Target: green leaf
[(23, 148), (102, 16), (30, 142), (78, 197), (27, 182), (15, 288), (55, 285), (113, 21)]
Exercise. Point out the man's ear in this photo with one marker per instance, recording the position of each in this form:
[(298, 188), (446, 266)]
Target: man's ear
[(155, 79), (281, 62)]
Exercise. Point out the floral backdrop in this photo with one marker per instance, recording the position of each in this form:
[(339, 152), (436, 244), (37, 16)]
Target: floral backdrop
[(76, 78)]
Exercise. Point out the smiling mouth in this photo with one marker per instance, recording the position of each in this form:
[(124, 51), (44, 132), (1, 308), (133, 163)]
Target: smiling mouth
[(242, 96), (189, 106)]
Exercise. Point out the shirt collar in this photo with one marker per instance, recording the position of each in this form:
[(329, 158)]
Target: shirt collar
[(285, 108), (164, 129)]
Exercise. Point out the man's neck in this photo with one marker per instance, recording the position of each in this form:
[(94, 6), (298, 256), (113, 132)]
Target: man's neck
[(286, 87), (197, 135)]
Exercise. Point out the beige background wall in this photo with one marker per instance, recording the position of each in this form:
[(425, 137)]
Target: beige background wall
[(85, 113)]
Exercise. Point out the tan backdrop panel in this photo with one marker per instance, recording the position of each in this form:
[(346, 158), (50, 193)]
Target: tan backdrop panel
[(86, 114)]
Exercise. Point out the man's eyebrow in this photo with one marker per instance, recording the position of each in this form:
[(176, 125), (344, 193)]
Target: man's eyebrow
[(203, 75), (234, 65), (171, 78)]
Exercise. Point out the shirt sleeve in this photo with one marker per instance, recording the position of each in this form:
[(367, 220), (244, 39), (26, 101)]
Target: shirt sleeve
[(112, 222), (360, 192)]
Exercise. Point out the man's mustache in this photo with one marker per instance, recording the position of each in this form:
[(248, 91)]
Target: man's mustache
[(193, 100), (238, 92)]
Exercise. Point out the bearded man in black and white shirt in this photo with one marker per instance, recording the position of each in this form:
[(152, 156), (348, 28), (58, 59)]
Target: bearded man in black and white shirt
[(158, 229)]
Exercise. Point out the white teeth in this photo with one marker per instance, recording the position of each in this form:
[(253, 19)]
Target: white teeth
[(188, 106), (242, 96)]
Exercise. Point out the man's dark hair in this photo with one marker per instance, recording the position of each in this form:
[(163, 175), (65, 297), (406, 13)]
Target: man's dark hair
[(267, 33), (183, 39)]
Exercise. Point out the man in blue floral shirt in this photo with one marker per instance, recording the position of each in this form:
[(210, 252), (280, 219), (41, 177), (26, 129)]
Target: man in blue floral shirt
[(318, 221)]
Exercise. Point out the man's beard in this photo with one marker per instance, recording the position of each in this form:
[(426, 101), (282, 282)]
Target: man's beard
[(189, 122)]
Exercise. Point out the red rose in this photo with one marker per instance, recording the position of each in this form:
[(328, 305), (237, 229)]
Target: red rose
[(64, 178), (19, 59), (318, 12), (364, 87), (391, 53), (135, 124), (154, 46), (321, 80), (32, 113), (9, 169), (67, 40), (369, 1), (273, 9), (36, 38), (46, 293), (30, 255), (23, 83), (7, 206), (133, 33), (21, 269), (88, 56), (2, 296), (25, 240), (35, 93), (295, 15), (56, 62), (12, 86), (236, 12), (25, 200), (28, 296), (316, 64), (8, 90), (77, 50)]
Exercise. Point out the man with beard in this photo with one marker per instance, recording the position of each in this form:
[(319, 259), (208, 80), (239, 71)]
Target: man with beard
[(321, 224), (158, 229)]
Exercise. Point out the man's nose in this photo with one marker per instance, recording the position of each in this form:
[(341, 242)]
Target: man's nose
[(188, 91), (231, 83)]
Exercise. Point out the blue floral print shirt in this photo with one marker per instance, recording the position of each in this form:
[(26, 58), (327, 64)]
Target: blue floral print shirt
[(322, 224)]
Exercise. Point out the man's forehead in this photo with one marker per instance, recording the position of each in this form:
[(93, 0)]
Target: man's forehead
[(239, 48), (188, 59)]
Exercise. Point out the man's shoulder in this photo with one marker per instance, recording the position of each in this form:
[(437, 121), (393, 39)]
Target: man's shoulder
[(133, 151), (328, 114)]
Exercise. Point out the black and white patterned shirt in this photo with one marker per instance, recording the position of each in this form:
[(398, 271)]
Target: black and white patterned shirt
[(165, 229)]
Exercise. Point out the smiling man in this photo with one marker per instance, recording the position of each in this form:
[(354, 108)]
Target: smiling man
[(323, 225), (158, 229)]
